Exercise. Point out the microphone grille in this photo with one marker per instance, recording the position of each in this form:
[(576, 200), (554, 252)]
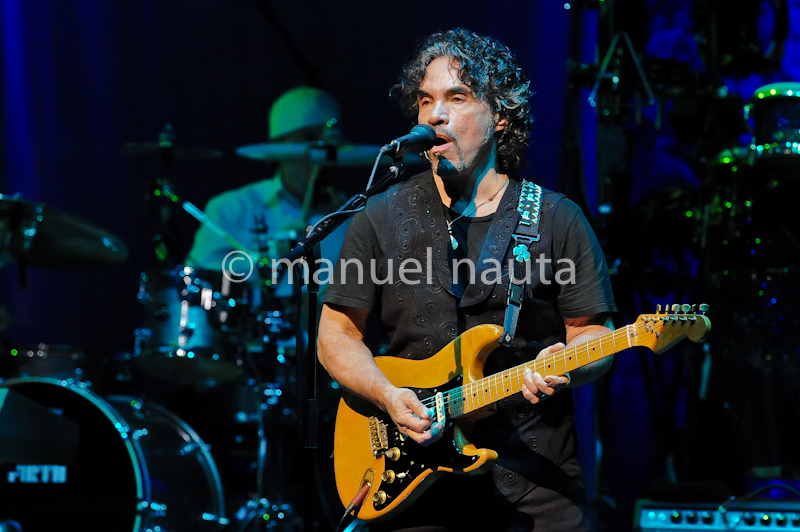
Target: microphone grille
[(424, 130)]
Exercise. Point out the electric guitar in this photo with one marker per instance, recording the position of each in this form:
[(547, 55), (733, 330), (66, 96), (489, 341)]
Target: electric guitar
[(380, 472)]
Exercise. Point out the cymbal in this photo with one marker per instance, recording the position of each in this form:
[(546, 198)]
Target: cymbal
[(173, 149), (325, 155), (41, 236)]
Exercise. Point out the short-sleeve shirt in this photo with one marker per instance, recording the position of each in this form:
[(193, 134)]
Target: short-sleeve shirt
[(402, 244)]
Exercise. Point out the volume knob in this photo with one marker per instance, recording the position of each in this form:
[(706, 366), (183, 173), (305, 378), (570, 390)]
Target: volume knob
[(388, 476), (392, 454)]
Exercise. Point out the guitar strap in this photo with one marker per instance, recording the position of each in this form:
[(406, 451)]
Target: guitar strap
[(526, 243)]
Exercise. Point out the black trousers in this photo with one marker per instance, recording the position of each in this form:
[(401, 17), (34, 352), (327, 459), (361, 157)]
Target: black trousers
[(463, 504)]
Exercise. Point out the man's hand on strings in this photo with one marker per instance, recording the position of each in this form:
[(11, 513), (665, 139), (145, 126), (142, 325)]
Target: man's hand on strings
[(413, 418)]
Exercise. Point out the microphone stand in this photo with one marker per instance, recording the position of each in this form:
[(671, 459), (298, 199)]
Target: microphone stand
[(337, 217), (307, 251)]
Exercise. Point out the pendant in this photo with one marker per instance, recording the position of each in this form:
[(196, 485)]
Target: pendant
[(453, 242)]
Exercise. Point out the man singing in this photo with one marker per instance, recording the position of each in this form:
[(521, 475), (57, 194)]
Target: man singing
[(467, 211)]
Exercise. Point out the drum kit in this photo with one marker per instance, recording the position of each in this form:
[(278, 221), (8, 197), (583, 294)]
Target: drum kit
[(199, 430), (751, 243), (750, 184)]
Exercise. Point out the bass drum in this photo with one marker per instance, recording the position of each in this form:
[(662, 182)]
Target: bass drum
[(138, 468)]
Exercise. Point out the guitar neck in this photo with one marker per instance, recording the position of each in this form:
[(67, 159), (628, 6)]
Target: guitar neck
[(488, 390)]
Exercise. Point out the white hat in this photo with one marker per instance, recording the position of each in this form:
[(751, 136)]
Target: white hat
[(301, 108)]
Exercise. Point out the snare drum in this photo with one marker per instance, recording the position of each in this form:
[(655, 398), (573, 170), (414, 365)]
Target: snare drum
[(138, 468), (189, 334), (774, 117)]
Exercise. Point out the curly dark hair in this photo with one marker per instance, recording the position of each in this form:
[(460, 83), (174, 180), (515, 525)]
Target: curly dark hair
[(491, 71)]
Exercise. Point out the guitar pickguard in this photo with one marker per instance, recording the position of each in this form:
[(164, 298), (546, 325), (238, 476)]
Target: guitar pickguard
[(405, 461)]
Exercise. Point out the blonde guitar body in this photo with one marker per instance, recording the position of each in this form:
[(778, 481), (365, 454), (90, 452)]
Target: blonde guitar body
[(353, 452), (370, 452)]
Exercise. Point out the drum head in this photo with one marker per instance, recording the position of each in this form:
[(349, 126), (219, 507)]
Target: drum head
[(98, 491), (137, 468)]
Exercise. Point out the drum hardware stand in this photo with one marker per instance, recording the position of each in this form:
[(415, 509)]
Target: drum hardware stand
[(270, 326), (163, 187), (607, 60), (260, 509)]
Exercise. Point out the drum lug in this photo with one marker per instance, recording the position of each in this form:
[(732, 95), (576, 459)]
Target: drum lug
[(153, 509), (215, 518), (189, 448)]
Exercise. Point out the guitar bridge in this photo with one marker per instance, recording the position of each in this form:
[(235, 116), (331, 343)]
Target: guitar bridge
[(378, 435)]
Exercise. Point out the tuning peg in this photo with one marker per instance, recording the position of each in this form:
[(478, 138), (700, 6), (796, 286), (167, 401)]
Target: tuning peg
[(658, 309), (694, 309), (685, 308), (703, 308), (676, 308)]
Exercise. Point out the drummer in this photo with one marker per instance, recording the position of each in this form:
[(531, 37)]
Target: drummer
[(280, 207)]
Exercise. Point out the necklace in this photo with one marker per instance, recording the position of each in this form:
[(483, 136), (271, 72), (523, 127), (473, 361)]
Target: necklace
[(453, 241)]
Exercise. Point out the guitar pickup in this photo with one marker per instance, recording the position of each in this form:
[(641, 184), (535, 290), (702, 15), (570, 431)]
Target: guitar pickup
[(439, 399), (378, 436)]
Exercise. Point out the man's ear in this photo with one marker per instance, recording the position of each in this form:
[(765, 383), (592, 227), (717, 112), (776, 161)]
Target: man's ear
[(501, 124)]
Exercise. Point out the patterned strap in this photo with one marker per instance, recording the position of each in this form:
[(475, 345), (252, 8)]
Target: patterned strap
[(526, 237)]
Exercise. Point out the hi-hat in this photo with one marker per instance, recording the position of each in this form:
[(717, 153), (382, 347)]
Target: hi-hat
[(175, 150), (37, 235), (169, 148), (324, 155)]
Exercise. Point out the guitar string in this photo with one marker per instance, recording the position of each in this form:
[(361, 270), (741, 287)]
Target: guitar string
[(456, 395), (507, 377), (492, 381)]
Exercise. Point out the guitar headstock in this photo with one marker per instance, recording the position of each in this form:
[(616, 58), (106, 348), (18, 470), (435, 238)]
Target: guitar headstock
[(662, 330)]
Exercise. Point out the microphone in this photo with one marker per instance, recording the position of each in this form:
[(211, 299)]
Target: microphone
[(422, 137)]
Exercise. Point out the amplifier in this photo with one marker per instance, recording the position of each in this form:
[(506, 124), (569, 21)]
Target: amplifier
[(763, 515)]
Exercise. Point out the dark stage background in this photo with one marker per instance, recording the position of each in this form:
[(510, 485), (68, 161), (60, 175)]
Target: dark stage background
[(80, 79)]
